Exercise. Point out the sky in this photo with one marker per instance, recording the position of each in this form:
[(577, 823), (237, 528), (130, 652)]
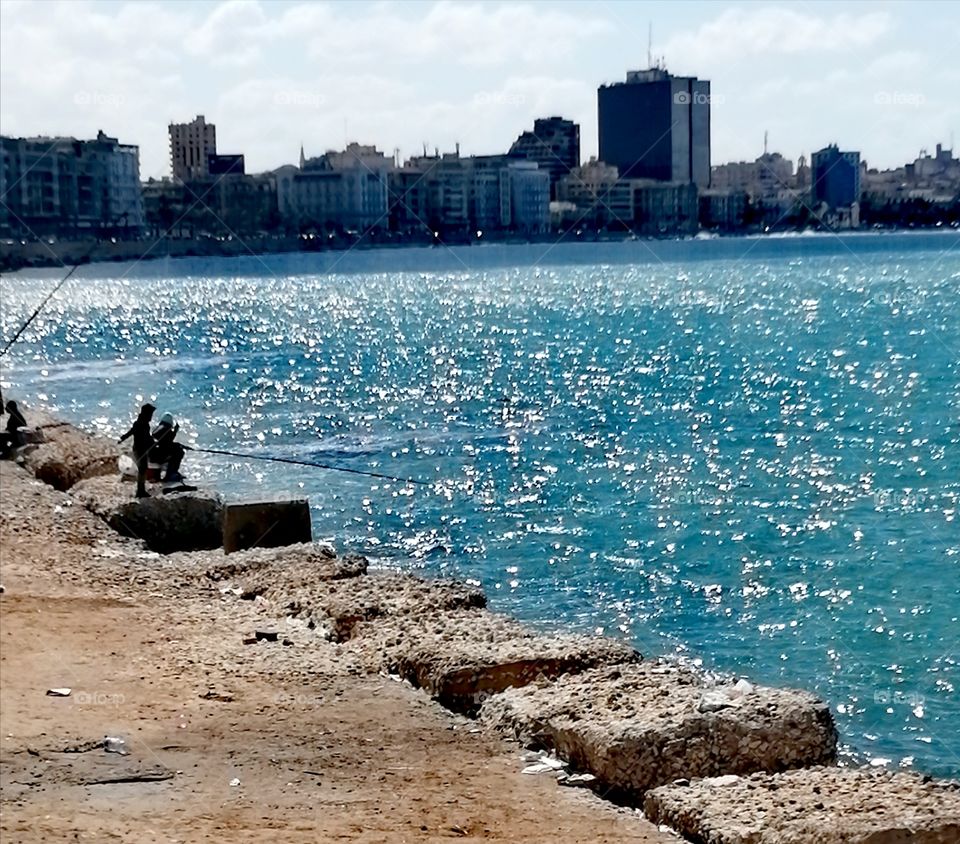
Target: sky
[(881, 78)]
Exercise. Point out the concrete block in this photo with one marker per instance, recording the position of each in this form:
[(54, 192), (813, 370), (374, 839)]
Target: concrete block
[(635, 727), (811, 806), (463, 656), (266, 524)]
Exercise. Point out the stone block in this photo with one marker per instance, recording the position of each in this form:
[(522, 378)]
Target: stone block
[(812, 806), (462, 657), (266, 524), (166, 523), (635, 727)]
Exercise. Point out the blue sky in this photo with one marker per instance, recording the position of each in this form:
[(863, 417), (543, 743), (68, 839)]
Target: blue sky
[(878, 77)]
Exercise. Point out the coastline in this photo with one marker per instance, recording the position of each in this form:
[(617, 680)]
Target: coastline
[(39, 255), (340, 634), (322, 750)]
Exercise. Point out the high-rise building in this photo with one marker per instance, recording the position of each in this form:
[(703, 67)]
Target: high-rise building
[(554, 144), (656, 126), (835, 177), (191, 144)]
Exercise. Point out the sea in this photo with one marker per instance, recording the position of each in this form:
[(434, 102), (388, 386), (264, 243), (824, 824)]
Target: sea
[(740, 453)]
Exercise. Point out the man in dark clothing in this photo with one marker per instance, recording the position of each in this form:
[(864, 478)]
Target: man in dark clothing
[(167, 451), (142, 445)]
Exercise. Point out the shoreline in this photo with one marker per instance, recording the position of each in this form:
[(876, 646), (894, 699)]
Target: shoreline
[(437, 636), (45, 255)]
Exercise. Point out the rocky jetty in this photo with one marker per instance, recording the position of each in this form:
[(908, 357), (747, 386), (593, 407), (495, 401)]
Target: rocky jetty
[(187, 521), (67, 455), (638, 726), (811, 806), (276, 571), (722, 763)]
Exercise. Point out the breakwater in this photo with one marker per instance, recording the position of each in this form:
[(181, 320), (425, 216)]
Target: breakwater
[(647, 731)]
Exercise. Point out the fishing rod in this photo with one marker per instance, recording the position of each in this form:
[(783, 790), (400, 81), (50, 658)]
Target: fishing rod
[(39, 308), (76, 265), (307, 463)]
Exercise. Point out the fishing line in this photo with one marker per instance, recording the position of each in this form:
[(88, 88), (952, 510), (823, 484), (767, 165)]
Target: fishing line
[(308, 463), (81, 260)]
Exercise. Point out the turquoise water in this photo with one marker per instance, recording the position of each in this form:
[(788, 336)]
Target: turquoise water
[(740, 452)]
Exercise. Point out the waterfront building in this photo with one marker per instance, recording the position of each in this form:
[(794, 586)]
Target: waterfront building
[(763, 178), (835, 177), (603, 199), (723, 209), (656, 126), (346, 190), (450, 194), (554, 143), (66, 188), (191, 145)]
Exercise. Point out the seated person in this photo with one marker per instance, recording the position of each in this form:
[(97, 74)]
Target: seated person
[(12, 436), (165, 450)]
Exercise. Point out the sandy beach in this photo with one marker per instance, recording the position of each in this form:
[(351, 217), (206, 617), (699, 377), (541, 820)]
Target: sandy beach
[(320, 751)]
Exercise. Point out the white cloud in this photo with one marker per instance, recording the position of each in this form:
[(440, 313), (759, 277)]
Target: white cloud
[(740, 33)]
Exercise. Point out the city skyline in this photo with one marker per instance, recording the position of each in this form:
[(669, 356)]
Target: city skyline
[(367, 72)]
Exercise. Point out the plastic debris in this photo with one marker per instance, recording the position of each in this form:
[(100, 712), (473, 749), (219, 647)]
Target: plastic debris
[(64, 692), (115, 744)]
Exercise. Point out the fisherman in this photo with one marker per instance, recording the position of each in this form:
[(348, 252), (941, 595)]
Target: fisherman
[(165, 450), (12, 437), (143, 444)]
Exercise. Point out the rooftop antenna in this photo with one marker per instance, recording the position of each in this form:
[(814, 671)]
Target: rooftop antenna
[(650, 44), (765, 134)]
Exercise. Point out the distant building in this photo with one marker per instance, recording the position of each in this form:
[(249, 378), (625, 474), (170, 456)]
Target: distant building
[(221, 165), (835, 177), (191, 145), (723, 209), (68, 188), (529, 197), (765, 177), (554, 144), (656, 126), (227, 206), (448, 194), (344, 190), (603, 199)]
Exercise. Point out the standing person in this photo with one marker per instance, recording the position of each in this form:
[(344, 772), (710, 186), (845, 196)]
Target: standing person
[(142, 445), (166, 450)]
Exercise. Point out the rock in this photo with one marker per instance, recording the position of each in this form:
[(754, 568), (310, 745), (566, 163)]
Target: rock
[(812, 806), (462, 657), (180, 522), (638, 726), (67, 455), (278, 570), (338, 606)]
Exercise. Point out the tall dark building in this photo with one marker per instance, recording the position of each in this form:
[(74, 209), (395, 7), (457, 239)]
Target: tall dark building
[(554, 144), (836, 177), (656, 126)]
